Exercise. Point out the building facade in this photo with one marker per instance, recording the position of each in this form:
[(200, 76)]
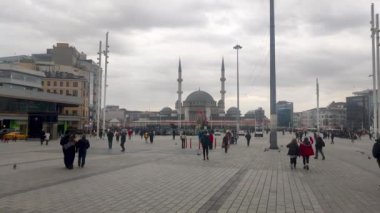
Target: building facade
[(284, 114)]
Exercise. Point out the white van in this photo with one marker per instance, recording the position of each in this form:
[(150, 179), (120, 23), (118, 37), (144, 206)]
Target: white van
[(259, 132)]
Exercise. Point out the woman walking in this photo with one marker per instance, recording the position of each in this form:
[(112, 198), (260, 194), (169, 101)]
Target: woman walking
[(306, 150), (293, 152)]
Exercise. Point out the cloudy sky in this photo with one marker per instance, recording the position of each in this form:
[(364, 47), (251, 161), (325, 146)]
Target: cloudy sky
[(324, 39)]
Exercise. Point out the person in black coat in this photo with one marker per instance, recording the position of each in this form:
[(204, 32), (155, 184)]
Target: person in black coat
[(123, 138), (68, 147), (42, 137), (110, 138), (248, 137), (319, 144), (151, 136), (376, 151), (205, 140), (293, 152), (82, 145)]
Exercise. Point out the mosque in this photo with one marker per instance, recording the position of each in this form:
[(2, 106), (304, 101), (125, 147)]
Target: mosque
[(200, 106)]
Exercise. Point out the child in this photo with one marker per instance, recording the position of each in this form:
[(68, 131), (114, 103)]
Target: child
[(293, 153)]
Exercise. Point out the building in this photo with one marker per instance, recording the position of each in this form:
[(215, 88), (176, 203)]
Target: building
[(284, 114), (358, 112), (331, 117), (26, 107)]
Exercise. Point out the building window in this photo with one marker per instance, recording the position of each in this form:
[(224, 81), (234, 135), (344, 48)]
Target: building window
[(55, 91), (48, 83), (67, 84), (61, 84), (55, 83), (75, 112), (48, 90), (75, 92), (67, 92), (42, 83), (75, 84), (61, 92)]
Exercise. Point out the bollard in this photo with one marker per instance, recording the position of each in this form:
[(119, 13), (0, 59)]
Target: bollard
[(186, 143)]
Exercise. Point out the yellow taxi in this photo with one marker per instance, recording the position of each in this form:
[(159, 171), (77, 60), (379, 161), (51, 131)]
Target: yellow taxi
[(15, 135)]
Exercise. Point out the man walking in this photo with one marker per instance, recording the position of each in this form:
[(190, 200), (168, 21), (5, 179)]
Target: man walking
[(123, 138), (248, 137), (82, 145), (319, 144), (110, 138)]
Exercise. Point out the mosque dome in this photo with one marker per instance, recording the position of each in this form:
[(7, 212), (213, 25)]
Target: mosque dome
[(200, 96), (233, 111), (166, 111)]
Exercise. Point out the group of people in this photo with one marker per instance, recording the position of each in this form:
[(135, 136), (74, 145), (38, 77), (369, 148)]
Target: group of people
[(305, 149), (70, 146)]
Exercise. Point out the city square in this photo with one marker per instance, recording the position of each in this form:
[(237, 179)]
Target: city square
[(162, 177)]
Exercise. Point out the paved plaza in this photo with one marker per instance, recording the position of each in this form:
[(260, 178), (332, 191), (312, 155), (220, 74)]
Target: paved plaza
[(162, 177)]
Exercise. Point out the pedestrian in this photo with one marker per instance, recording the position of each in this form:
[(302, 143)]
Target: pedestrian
[(293, 152), (146, 135), (376, 151), (110, 138), (42, 137), (205, 140), (211, 139), (141, 134), (306, 150), (122, 140), (332, 137), (183, 139), (47, 138), (68, 148), (82, 145), (117, 135), (151, 136), (248, 137), (319, 144), (225, 143), (130, 132), (101, 134), (173, 134)]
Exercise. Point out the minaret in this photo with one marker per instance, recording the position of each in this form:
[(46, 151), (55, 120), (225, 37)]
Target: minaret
[(178, 105), (222, 80)]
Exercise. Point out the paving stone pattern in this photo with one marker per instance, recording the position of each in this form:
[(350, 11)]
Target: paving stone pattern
[(162, 177)]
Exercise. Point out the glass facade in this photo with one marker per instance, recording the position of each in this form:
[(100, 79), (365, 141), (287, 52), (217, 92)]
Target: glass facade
[(24, 106)]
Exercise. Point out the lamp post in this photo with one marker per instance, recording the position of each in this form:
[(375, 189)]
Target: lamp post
[(237, 47)]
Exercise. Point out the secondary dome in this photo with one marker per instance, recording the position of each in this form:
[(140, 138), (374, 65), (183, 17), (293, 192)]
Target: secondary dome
[(200, 96)]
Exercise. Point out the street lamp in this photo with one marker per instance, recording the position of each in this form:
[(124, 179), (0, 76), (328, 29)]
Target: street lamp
[(237, 47)]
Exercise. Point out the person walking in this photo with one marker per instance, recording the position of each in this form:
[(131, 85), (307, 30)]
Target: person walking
[(117, 135), (211, 139), (319, 144), (248, 137), (47, 138), (332, 137), (306, 150), (123, 138), (183, 139), (141, 134), (173, 134), (146, 135), (151, 136), (42, 137), (110, 138), (82, 145), (68, 148), (225, 142), (376, 151), (293, 152), (205, 140)]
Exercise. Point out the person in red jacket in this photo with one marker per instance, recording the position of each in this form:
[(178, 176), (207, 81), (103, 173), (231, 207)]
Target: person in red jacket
[(306, 150)]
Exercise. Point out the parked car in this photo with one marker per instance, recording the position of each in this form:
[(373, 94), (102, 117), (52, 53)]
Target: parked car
[(217, 132), (15, 135), (241, 132), (5, 131)]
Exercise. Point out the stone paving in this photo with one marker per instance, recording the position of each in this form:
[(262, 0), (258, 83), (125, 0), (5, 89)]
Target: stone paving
[(162, 177)]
